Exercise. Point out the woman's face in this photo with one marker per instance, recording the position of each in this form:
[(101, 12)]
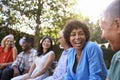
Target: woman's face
[(77, 38), (9, 42), (46, 44)]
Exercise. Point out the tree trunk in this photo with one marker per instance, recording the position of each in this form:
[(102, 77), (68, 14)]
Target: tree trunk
[(36, 37), (38, 27)]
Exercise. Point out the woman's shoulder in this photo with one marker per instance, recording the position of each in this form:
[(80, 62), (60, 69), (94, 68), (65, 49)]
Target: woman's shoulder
[(92, 48), (1, 48), (14, 48), (51, 52), (71, 52), (91, 44)]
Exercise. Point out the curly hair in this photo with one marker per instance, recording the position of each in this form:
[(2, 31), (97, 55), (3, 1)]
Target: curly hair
[(75, 24)]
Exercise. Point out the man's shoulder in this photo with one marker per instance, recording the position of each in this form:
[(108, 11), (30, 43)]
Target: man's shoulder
[(91, 44), (117, 54), (33, 50), (21, 53)]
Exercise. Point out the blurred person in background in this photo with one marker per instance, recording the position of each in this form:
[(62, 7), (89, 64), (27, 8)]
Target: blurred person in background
[(23, 60), (8, 53), (61, 68), (42, 62)]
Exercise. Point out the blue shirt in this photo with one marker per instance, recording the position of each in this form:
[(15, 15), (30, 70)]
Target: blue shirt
[(91, 65)]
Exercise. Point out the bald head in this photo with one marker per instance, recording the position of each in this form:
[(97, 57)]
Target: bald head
[(112, 11)]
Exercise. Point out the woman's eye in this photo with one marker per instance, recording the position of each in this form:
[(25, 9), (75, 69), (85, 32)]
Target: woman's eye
[(72, 35), (81, 33)]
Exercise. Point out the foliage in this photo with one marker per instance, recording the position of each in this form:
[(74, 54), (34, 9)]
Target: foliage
[(107, 54), (96, 33), (17, 35), (42, 17), (35, 14)]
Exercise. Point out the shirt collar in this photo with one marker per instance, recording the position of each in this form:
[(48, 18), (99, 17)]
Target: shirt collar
[(31, 51), (66, 51)]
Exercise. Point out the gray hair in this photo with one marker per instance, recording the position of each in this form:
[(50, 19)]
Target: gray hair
[(112, 11)]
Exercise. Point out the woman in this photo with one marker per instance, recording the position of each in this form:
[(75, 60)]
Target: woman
[(42, 62), (8, 52), (85, 60)]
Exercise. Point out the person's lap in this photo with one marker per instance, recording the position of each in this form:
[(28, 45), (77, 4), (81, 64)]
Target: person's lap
[(1, 73), (7, 73), (19, 77)]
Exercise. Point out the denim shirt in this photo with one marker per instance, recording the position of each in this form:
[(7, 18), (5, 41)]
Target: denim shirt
[(91, 65), (114, 71)]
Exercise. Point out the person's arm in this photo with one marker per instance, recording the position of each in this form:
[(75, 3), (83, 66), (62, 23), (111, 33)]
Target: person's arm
[(16, 71), (46, 66), (97, 67), (14, 53), (30, 71), (32, 68), (16, 64)]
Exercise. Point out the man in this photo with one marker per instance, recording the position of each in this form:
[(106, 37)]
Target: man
[(62, 64), (110, 26), (23, 61)]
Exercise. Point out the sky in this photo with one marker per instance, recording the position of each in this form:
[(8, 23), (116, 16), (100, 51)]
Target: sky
[(92, 8)]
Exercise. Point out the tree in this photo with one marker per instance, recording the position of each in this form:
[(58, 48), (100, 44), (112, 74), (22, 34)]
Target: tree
[(35, 14), (95, 32)]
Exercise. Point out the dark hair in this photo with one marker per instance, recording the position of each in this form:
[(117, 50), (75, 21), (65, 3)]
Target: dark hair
[(75, 24), (29, 40), (40, 48)]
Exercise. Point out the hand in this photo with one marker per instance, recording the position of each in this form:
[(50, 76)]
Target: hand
[(26, 71), (2, 66), (16, 72), (32, 77), (25, 77)]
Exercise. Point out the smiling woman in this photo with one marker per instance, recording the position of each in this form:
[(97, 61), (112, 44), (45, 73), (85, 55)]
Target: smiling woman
[(8, 53), (86, 58)]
